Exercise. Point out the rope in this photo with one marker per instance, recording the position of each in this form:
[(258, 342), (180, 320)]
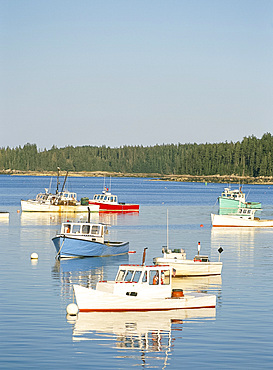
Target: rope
[(60, 248)]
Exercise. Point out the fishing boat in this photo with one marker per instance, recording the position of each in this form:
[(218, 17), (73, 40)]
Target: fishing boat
[(86, 239), (244, 217), (138, 288), (231, 200), (60, 201), (109, 203), (199, 266)]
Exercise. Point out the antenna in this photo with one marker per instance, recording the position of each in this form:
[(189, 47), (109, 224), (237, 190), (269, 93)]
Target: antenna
[(144, 256), (167, 229)]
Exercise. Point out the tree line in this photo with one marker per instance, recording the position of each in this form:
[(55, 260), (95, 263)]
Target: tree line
[(250, 157)]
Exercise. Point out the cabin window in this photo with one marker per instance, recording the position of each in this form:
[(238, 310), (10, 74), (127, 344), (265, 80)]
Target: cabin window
[(120, 275), (95, 230), (154, 277), (129, 275), (67, 228), (144, 279), (85, 229), (76, 229), (165, 277), (136, 277)]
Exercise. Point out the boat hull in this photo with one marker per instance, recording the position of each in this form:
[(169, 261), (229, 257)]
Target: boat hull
[(33, 206), (190, 267), (237, 221), (120, 207), (71, 247), (91, 300)]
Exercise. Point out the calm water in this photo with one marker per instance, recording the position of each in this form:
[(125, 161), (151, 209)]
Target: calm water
[(35, 332)]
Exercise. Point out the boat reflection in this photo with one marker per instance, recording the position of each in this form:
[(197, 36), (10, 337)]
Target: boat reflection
[(54, 218), (204, 283), (47, 218), (148, 332), (85, 271)]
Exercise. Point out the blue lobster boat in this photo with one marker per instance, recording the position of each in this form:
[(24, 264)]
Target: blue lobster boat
[(85, 239)]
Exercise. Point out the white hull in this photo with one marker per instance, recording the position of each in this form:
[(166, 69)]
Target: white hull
[(34, 206), (237, 221), (190, 267), (89, 300)]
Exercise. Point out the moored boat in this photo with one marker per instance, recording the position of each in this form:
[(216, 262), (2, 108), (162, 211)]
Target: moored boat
[(109, 203), (231, 200), (86, 239), (244, 217), (199, 266), (60, 201), (139, 288)]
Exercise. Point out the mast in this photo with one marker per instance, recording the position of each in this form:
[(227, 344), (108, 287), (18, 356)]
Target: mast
[(167, 229), (58, 183), (64, 181)]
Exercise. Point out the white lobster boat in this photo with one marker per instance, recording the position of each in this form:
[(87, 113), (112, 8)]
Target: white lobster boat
[(60, 201), (245, 217), (139, 288), (199, 266)]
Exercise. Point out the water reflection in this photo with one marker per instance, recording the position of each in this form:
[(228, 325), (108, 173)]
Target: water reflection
[(203, 283), (150, 333), (55, 218), (85, 271)]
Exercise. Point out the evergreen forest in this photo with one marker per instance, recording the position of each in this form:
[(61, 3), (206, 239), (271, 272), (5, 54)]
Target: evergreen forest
[(250, 157)]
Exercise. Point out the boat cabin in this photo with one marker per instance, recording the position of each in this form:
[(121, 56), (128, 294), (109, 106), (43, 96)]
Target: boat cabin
[(105, 197), (95, 232), (233, 194), (63, 198), (140, 281), (247, 213), (178, 253)]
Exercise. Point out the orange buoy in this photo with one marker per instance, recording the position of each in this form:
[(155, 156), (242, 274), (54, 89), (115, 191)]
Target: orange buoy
[(201, 225)]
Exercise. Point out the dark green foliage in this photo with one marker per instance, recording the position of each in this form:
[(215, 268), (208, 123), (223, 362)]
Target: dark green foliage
[(250, 157)]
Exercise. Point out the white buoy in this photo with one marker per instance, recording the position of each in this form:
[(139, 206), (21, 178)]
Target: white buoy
[(72, 309), (34, 256)]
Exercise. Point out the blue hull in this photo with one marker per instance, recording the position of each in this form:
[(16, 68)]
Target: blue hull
[(69, 247)]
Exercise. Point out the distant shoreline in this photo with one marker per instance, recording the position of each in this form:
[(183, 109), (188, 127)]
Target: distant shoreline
[(224, 179)]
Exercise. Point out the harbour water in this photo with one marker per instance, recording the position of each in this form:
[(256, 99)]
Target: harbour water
[(36, 333)]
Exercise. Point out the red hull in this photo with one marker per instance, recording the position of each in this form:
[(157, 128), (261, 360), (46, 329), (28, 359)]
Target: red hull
[(106, 207)]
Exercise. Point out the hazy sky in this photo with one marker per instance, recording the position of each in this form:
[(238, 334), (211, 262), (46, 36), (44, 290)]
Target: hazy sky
[(133, 72)]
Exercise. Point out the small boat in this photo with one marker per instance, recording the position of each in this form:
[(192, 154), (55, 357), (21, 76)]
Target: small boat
[(199, 266), (86, 239), (61, 201), (109, 203), (231, 200), (139, 288), (245, 217)]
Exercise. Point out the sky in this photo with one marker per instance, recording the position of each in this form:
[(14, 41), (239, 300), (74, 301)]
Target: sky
[(134, 72)]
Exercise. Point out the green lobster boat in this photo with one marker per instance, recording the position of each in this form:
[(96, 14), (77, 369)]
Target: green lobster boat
[(231, 200)]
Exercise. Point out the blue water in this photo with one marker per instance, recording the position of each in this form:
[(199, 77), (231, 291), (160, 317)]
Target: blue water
[(35, 332)]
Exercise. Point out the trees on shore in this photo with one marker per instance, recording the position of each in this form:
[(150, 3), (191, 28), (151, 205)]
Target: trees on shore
[(250, 157)]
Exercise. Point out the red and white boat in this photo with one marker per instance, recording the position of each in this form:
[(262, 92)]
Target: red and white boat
[(109, 203)]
